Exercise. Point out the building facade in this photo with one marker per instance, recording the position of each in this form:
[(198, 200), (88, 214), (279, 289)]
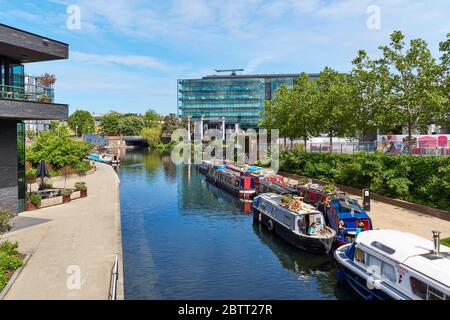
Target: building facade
[(229, 102), (18, 104)]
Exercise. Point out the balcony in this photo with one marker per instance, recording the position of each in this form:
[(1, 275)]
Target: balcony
[(30, 102)]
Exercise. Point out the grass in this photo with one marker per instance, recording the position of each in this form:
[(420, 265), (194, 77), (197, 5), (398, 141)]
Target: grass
[(446, 242)]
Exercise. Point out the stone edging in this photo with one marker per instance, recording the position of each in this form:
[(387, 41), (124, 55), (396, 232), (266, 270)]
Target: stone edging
[(14, 277), (438, 213)]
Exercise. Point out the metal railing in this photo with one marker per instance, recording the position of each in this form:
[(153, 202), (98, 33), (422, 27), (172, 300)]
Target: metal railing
[(114, 278), (27, 93), (396, 149)]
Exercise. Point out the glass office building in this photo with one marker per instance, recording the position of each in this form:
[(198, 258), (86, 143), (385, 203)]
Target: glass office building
[(234, 100)]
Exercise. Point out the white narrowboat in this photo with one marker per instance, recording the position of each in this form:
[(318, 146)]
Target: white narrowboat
[(389, 264), (293, 224)]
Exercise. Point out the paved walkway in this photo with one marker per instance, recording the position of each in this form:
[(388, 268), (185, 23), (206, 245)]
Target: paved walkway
[(71, 242)]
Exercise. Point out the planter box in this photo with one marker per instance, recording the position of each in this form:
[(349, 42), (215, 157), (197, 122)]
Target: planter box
[(30, 206), (66, 199), (83, 193), (75, 195), (51, 202)]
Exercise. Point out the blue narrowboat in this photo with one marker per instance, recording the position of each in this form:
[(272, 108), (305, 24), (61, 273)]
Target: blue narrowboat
[(344, 214)]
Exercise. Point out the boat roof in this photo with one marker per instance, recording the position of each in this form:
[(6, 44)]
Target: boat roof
[(348, 210), (410, 250), (276, 199)]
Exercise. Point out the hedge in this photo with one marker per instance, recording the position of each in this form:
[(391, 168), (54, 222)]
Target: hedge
[(423, 180)]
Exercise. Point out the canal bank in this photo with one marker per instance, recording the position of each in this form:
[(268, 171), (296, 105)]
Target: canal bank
[(72, 246)]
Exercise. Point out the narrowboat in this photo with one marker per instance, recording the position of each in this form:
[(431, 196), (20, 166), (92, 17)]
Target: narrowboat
[(104, 158), (292, 220), (267, 186), (241, 186), (343, 214), (392, 265), (346, 217)]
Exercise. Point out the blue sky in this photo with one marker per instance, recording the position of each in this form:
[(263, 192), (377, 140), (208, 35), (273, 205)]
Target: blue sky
[(128, 54)]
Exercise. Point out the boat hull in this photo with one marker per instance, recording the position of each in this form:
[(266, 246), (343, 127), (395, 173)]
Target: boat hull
[(246, 195), (309, 244)]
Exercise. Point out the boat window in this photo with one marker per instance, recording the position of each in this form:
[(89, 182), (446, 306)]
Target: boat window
[(360, 256), (374, 263), (388, 271), (273, 211), (263, 206), (418, 288), (434, 294)]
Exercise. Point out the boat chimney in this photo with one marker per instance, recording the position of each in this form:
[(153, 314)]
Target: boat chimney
[(437, 242)]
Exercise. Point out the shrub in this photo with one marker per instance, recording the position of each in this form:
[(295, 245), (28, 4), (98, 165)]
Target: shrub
[(5, 218), (65, 192), (81, 186), (424, 180), (9, 247), (35, 198)]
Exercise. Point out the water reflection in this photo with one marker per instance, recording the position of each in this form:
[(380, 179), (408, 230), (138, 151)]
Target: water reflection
[(183, 238)]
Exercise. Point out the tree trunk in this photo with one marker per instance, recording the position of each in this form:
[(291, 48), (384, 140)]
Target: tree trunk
[(409, 139), (284, 143), (306, 142), (331, 143), (292, 144)]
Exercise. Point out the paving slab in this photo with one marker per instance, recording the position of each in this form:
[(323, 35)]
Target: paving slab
[(72, 245)]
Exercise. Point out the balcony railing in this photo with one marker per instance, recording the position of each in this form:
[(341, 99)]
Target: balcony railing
[(27, 93)]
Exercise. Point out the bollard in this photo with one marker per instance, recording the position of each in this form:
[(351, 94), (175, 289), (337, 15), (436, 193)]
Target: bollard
[(366, 200)]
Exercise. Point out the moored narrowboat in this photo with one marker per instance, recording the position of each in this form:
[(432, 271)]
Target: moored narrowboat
[(241, 186), (343, 214), (275, 187), (389, 264), (296, 222)]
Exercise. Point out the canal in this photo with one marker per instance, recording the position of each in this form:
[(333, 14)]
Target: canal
[(185, 239)]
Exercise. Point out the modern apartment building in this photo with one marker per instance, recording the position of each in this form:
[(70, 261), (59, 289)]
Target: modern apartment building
[(18, 103), (229, 102)]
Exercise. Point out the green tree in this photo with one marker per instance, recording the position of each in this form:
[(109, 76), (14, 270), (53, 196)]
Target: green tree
[(303, 117), (444, 47), (58, 149), (415, 96), (81, 122), (110, 123), (152, 118), (367, 91), (332, 101), (152, 135), (131, 125), (170, 124)]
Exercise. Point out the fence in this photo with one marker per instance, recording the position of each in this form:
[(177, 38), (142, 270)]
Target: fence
[(394, 148)]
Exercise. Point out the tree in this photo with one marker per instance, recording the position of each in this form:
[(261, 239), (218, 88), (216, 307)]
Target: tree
[(30, 177), (66, 171), (170, 124), (444, 47), (110, 124), (415, 96), (303, 118), (332, 101), (152, 118), (81, 122), (367, 90), (152, 135), (130, 125), (58, 149)]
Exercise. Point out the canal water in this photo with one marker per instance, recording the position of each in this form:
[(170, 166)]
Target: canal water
[(186, 239)]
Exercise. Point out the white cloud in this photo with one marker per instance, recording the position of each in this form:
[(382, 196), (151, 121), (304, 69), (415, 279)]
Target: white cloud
[(124, 60)]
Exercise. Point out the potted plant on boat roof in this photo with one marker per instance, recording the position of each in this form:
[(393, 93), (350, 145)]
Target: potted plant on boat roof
[(329, 188), (33, 201), (82, 187)]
